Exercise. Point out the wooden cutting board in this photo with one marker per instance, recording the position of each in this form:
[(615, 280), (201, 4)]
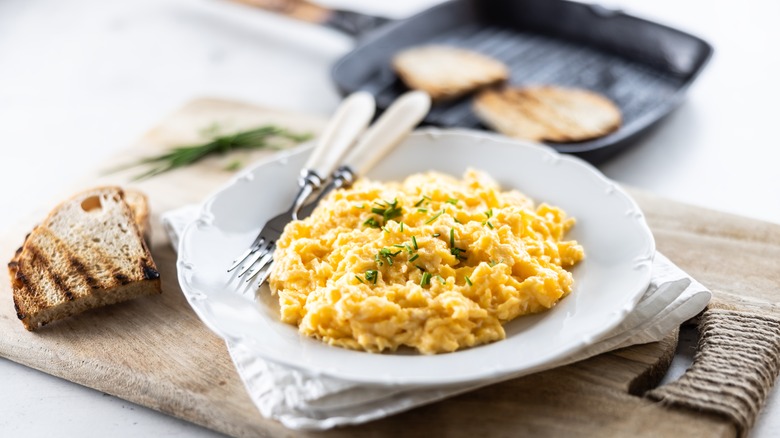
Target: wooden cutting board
[(154, 351)]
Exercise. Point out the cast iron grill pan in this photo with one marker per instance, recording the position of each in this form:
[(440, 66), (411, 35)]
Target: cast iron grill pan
[(644, 67)]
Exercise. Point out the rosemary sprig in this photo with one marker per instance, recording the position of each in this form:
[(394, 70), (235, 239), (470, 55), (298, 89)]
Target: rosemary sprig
[(181, 156)]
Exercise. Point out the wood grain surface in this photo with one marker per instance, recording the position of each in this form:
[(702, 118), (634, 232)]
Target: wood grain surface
[(154, 351)]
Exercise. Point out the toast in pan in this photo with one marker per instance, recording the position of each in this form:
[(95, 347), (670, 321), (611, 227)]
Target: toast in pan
[(548, 113), (447, 72), (89, 252)]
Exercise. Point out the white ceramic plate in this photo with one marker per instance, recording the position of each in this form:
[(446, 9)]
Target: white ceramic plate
[(608, 283)]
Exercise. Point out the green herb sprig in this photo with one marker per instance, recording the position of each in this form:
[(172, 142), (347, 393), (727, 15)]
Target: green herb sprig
[(181, 156)]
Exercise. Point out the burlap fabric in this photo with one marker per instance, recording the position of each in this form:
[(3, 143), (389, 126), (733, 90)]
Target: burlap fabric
[(735, 367)]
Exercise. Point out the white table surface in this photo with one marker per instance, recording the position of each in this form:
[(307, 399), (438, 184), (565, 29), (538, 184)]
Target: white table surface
[(82, 79)]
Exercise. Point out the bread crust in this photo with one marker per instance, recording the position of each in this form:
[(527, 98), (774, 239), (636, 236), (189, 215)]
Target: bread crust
[(87, 253), (548, 113)]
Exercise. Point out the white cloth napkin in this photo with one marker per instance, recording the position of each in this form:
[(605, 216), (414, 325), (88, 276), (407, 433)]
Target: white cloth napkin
[(301, 401)]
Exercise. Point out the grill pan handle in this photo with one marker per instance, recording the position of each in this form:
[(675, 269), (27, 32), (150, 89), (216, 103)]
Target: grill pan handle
[(349, 22)]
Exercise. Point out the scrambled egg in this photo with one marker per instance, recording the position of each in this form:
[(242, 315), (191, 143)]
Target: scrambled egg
[(432, 263)]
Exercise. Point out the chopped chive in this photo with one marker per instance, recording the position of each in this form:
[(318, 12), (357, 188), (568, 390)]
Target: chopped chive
[(426, 279), (414, 243), (422, 210), (422, 200), (469, 281), (401, 227), (388, 210), (386, 230), (441, 279), (489, 215), (456, 220), (419, 267), (360, 279), (458, 253), (404, 246), (435, 234), (371, 222), (436, 216), (414, 257), (361, 206), (385, 255), (371, 275), (452, 201)]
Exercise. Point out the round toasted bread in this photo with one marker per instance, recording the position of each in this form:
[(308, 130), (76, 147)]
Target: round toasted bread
[(446, 72), (548, 113)]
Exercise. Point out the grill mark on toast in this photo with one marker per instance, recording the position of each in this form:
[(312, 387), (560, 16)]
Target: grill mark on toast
[(61, 286), (100, 256), (43, 265), (534, 110), (71, 282), (36, 262), (22, 279), (79, 267), (19, 313), (121, 278)]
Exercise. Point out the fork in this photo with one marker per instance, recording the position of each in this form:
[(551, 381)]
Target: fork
[(388, 131), (350, 120)]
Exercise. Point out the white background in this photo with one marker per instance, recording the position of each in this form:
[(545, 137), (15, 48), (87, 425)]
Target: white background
[(82, 79)]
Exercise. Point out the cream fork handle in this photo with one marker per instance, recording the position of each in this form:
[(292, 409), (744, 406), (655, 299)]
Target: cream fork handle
[(350, 120), (391, 127)]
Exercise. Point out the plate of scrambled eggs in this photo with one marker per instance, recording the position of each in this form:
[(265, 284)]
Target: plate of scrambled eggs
[(462, 256)]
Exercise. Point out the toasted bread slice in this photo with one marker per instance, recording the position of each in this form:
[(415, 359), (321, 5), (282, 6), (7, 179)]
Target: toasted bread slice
[(87, 253), (548, 113), (446, 72)]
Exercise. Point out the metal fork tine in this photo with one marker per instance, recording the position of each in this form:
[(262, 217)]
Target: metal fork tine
[(268, 258), (265, 275), (252, 248), (259, 254)]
